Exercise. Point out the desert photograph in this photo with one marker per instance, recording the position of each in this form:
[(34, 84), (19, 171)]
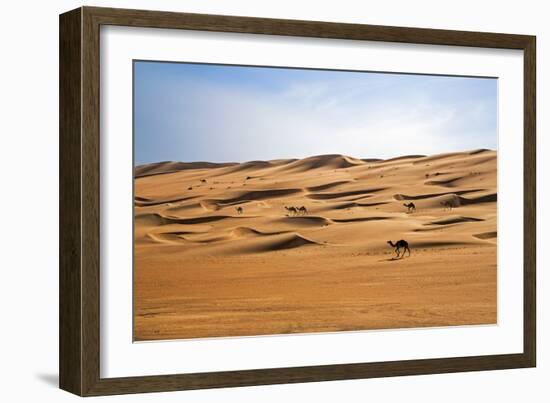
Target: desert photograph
[(273, 201)]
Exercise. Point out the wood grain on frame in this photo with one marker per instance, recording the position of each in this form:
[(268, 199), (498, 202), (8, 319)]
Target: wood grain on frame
[(79, 201), (70, 314)]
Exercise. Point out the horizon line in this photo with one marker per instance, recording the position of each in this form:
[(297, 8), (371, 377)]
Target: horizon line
[(373, 159)]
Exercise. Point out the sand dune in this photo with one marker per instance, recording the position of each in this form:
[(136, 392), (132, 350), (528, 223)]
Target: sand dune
[(322, 162), (486, 235), (326, 186), (217, 254), (171, 166), (278, 243), (454, 220), (340, 195)]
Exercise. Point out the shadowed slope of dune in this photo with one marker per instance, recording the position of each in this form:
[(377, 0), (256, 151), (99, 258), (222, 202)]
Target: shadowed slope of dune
[(486, 235), (248, 166), (338, 195), (479, 151), (489, 198), (355, 204), (158, 219), (402, 158), (300, 221), (437, 157), (164, 167), (168, 237), (454, 220), (443, 182), (260, 195), (278, 243), (430, 195), (331, 161), (240, 232), (144, 202), (356, 219), (326, 186)]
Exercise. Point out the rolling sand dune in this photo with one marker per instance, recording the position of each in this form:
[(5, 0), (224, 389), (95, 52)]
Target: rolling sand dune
[(171, 166), (217, 253)]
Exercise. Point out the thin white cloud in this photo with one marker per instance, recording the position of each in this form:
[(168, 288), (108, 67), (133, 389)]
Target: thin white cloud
[(232, 123)]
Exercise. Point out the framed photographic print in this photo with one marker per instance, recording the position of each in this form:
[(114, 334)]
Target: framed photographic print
[(250, 201)]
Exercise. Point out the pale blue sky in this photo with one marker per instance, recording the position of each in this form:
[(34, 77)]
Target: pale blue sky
[(198, 112)]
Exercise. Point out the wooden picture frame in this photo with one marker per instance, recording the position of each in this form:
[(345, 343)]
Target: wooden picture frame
[(79, 346)]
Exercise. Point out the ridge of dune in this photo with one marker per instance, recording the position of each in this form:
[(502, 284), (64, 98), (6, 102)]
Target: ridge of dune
[(486, 235), (360, 219), (454, 193), (280, 242), (454, 155), (159, 219), (144, 202), (248, 166), (326, 186), (301, 221), (454, 220), (246, 197), (479, 151), (436, 157), (327, 161), (240, 232), (489, 198), (404, 157), (164, 167), (444, 182), (337, 195), (245, 231), (348, 205)]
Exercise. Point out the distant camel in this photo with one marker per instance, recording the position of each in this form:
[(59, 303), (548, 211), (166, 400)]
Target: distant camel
[(447, 204), (302, 210), (291, 210), (410, 207), (239, 210), (400, 244)]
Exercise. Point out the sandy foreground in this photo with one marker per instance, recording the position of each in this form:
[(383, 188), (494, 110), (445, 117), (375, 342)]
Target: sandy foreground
[(203, 268)]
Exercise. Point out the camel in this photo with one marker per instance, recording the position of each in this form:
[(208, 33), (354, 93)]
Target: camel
[(410, 207), (239, 210), (291, 210), (447, 204), (400, 244), (302, 210)]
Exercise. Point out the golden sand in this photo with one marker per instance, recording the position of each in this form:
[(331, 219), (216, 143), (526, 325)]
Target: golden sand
[(205, 268)]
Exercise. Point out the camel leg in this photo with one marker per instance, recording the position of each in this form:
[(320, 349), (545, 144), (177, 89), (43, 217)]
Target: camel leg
[(397, 252), (408, 251)]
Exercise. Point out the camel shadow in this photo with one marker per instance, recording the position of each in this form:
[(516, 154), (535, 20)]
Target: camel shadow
[(391, 259)]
